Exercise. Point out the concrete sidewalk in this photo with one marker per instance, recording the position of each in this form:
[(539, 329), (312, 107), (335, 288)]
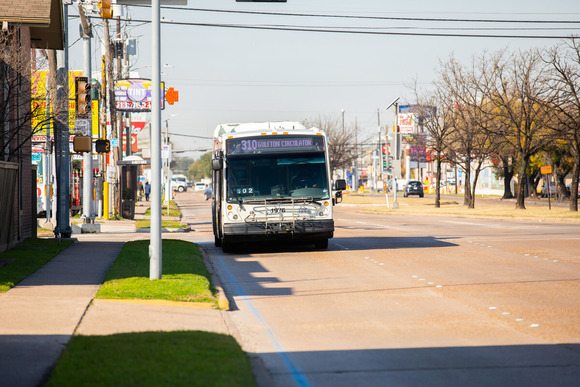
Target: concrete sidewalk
[(42, 312)]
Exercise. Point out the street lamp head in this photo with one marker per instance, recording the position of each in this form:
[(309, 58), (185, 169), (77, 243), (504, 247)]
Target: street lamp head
[(392, 103)]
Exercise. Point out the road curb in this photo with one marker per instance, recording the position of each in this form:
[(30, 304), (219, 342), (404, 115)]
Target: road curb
[(223, 301), (185, 304)]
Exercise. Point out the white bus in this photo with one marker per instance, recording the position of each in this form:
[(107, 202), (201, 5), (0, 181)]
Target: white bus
[(272, 181)]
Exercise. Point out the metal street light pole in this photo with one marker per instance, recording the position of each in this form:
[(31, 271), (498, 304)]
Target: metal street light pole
[(155, 245), (396, 150)]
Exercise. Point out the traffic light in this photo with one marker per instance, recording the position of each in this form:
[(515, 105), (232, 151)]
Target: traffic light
[(82, 97), (106, 12), (102, 146)]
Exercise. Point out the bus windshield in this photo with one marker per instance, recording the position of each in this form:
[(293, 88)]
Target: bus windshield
[(277, 176)]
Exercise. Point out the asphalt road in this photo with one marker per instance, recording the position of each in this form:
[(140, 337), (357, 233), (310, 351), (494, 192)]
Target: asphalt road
[(405, 300)]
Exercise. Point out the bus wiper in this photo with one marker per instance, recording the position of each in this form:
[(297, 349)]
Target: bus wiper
[(237, 197)]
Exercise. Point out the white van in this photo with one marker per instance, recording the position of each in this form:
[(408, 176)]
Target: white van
[(199, 186)]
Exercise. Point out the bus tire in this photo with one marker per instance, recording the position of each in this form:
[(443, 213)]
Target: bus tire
[(217, 241), (321, 243)]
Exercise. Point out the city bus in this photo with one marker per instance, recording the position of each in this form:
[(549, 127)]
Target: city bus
[(272, 181)]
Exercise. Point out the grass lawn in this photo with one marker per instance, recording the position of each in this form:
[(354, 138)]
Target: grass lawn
[(26, 258), (184, 278), (173, 210), (146, 223), (488, 207), (153, 359)]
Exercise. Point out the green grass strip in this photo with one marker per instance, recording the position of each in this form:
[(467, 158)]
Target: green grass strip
[(153, 359), (184, 277), (146, 223), (26, 258)]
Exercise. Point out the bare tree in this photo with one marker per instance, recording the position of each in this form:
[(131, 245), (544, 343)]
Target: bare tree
[(15, 96), (341, 147), (515, 87), (471, 141), (504, 164), (435, 116), (564, 60)]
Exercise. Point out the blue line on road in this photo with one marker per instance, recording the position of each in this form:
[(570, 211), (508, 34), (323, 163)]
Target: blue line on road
[(297, 374)]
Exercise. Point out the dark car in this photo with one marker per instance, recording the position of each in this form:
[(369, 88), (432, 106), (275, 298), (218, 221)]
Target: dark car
[(413, 187), (207, 193)]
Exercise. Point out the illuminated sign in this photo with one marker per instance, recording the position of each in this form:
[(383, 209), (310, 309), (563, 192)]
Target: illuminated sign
[(274, 144)]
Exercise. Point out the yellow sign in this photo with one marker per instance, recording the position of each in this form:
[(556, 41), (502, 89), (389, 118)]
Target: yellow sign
[(39, 82), (546, 169)]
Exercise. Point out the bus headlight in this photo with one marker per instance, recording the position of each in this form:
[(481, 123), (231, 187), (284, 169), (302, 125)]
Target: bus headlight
[(233, 216)]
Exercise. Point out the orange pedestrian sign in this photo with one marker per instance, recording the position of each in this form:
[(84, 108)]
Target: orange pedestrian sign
[(171, 96), (546, 169)]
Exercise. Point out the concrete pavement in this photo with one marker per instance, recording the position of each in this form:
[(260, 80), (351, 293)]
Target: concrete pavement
[(41, 313)]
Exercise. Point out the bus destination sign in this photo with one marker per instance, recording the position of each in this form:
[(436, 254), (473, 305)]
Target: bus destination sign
[(274, 144)]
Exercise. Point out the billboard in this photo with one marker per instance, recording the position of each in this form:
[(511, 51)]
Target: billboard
[(134, 95), (407, 123)]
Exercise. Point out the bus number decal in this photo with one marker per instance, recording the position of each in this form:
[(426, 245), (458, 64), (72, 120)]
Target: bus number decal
[(245, 191)]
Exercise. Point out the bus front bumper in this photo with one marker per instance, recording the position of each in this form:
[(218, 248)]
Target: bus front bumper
[(303, 230)]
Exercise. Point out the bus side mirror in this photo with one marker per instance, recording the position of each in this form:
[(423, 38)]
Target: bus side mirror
[(339, 186), (217, 164)]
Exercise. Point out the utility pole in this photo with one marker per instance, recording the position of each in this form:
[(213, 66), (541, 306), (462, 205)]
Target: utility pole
[(61, 138), (396, 171), (379, 151), (355, 183), (119, 118), (86, 34)]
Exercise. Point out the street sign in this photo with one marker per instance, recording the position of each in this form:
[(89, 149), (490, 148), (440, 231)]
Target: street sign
[(82, 126), (546, 169)]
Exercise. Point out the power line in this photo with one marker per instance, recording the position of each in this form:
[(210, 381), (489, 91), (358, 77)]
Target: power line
[(339, 31), (190, 135), (366, 17)]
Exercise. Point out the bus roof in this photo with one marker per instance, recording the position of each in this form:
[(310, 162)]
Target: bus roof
[(257, 126)]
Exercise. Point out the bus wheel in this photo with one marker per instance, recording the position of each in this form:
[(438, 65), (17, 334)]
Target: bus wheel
[(217, 241), (321, 243)]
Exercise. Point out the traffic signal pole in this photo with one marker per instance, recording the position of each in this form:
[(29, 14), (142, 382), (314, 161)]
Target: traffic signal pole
[(61, 139)]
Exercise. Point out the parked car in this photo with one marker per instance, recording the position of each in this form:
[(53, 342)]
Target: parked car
[(414, 187), (208, 193), (199, 186)]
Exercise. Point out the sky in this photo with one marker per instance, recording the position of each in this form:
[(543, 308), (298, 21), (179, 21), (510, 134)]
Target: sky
[(226, 74)]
